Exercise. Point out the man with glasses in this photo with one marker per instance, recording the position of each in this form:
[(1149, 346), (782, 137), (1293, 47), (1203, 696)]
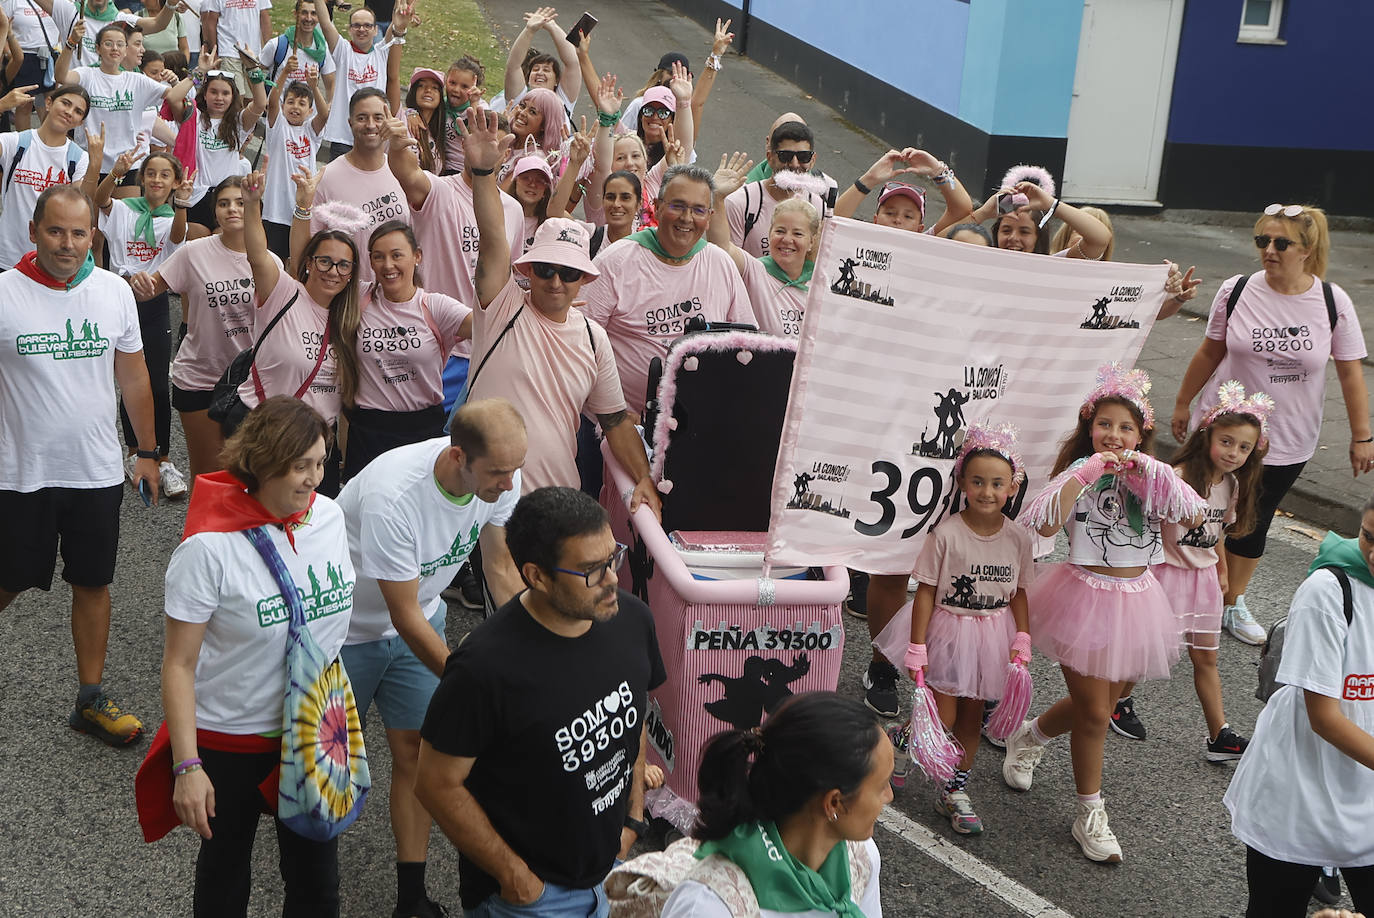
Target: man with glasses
[(360, 63), (535, 348), (228, 25), (532, 752), (306, 41), (791, 150), (653, 281)]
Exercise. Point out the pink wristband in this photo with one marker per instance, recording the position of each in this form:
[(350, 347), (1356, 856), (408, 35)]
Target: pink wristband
[(1021, 645), (1090, 471), (915, 656)]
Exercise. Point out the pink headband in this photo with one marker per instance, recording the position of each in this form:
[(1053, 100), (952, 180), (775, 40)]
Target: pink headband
[(1000, 439), (1131, 385), (1231, 399)]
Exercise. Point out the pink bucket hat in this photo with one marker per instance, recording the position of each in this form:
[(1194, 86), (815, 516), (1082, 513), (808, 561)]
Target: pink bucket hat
[(533, 164), (426, 73), (661, 95), (560, 241)]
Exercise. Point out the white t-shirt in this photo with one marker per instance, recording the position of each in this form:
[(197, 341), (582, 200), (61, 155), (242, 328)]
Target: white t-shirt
[(403, 526), (1295, 797), (129, 253), (239, 24), (288, 147), (269, 56), (219, 578), (41, 168), (215, 159), (117, 102), (355, 71), (64, 14), (57, 391), (29, 22)]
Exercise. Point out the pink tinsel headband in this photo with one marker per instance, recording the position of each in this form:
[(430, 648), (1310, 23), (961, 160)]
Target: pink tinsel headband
[(1131, 385), (1231, 399), (803, 182), (1000, 439), (341, 215), (1023, 173)]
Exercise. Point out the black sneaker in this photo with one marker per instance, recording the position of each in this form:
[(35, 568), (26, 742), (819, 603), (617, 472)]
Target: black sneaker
[(881, 682), (1227, 747), (1124, 720), (1328, 888), (465, 590), (425, 908), (857, 603)]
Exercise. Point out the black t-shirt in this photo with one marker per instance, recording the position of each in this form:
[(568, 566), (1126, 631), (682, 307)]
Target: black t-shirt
[(554, 726)]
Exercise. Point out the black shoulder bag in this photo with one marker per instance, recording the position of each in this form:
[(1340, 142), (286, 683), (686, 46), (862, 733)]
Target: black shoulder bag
[(225, 405)]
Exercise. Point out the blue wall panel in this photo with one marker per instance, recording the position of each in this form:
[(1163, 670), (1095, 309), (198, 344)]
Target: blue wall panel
[(1018, 66)]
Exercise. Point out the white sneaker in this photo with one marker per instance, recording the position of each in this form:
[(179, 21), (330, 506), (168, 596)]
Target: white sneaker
[(1093, 834), (170, 481), (1023, 754), (958, 809), (1242, 625)]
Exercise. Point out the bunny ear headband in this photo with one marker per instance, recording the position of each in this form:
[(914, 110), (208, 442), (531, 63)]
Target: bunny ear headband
[(1132, 385), (1023, 173), (1000, 439), (1231, 399), (803, 182)]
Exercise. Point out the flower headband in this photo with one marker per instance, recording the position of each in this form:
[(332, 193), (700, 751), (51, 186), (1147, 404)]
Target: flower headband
[(1231, 399), (1000, 439), (1132, 385)]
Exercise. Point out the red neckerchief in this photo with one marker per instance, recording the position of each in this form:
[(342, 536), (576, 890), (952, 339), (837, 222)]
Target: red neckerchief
[(30, 268), (360, 50), (219, 503)]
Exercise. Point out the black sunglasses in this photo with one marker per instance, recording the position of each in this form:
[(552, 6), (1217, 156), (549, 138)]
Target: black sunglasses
[(1281, 243), (545, 271), (801, 156)]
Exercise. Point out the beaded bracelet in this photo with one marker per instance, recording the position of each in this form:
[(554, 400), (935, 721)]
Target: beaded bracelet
[(608, 119), (185, 766), (302, 213)]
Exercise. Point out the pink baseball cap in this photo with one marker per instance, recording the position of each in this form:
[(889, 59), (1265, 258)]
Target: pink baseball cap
[(533, 164), (661, 95), (901, 188), (426, 73), (560, 241)]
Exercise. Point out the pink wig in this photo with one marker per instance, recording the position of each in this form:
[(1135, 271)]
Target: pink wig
[(551, 136)]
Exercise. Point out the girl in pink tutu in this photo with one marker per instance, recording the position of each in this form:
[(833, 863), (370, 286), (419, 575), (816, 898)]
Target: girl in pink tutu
[(1102, 615), (969, 618)]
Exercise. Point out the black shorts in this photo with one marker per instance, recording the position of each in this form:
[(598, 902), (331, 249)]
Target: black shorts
[(35, 71), (190, 399), (83, 523), (203, 212)]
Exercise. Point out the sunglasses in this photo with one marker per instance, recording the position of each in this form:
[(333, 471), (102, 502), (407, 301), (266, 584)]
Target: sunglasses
[(221, 74), (659, 114), (1280, 243), (545, 271), (786, 156), (342, 267), (1292, 210)]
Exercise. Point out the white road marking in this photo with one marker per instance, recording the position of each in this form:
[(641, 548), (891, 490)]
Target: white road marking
[(966, 865)]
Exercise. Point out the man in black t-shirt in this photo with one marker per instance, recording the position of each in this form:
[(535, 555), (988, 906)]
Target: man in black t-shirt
[(532, 752)]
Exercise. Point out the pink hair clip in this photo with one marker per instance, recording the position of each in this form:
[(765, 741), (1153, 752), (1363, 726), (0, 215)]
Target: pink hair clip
[(1231, 399), (1133, 385), (1000, 439)]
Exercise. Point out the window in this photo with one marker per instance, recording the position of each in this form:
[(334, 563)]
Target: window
[(1259, 21)]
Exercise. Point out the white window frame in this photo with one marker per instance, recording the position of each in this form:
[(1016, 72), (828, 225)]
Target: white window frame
[(1262, 35)]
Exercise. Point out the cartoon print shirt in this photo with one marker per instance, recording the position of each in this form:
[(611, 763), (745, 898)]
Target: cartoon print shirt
[(555, 737), (220, 579), (1101, 533), (57, 390), (403, 526), (41, 168), (1196, 548), (975, 574)]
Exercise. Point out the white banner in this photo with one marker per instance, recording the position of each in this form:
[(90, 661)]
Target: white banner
[(906, 340)]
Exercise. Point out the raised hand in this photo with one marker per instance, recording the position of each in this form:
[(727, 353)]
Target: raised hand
[(921, 162), (724, 38), (17, 97), (1038, 197), (540, 18), (673, 153), (731, 174), (124, 162), (306, 181), (291, 63), (484, 144), (254, 183), (608, 96), (398, 132), (580, 145), (183, 192), (312, 76), (681, 83)]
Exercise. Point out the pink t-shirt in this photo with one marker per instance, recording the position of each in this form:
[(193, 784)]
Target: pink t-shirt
[(1279, 344), (446, 228), (400, 362), (755, 199), (286, 358), (376, 193), (975, 574), (1196, 548), (779, 308), (552, 372), (217, 297), (643, 304)]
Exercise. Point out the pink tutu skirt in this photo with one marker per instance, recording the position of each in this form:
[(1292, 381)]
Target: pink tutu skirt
[(969, 653), (1112, 628), (1196, 597)]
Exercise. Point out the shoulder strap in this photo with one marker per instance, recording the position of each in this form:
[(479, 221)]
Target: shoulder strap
[(24, 140), (752, 217), (590, 339), (279, 54), (433, 328), (275, 319), (1330, 298), (1346, 598), (1235, 295), (598, 237), (491, 350), (73, 157), (273, 559)]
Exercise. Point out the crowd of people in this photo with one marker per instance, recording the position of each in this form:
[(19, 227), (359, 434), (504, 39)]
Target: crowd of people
[(409, 318)]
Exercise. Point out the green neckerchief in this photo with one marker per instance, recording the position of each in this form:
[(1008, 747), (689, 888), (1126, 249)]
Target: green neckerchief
[(105, 15), (649, 239), (1345, 554), (317, 49), (781, 882), (778, 274), (143, 226), (760, 172)]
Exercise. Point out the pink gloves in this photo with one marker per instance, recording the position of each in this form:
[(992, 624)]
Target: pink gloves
[(915, 657), (1021, 647), (1091, 470)]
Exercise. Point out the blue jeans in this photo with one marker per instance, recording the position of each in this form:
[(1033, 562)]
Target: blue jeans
[(554, 902)]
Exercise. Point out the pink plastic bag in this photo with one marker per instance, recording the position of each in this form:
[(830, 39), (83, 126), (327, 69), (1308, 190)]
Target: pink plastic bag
[(1011, 711), (933, 750)]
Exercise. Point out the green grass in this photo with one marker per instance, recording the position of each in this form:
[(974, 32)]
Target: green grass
[(450, 29)]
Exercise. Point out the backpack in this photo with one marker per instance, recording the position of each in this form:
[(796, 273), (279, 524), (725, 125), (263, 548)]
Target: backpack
[(1271, 655), (25, 141), (1326, 294)]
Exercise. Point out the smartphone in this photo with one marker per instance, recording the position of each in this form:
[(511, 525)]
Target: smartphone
[(1006, 203), (143, 493), (584, 27)]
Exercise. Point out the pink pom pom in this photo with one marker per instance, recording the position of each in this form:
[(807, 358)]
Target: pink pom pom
[(1015, 704), (933, 750), (744, 357), (672, 423), (689, 363), (664, 486)]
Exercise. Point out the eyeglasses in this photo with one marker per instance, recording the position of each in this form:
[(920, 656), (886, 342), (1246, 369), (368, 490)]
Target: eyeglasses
[(365, 26), (1280, 243), (653, 111), (1292, 210), (801, 156), (597, 573), (545, 271), (677, 209), (342, 266)]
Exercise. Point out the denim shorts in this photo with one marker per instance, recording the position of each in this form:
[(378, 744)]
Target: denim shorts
[(554, 902), (389, 672)]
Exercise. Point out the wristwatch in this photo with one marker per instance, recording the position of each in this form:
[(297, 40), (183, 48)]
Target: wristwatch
[(638, 826), (147, 454)]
